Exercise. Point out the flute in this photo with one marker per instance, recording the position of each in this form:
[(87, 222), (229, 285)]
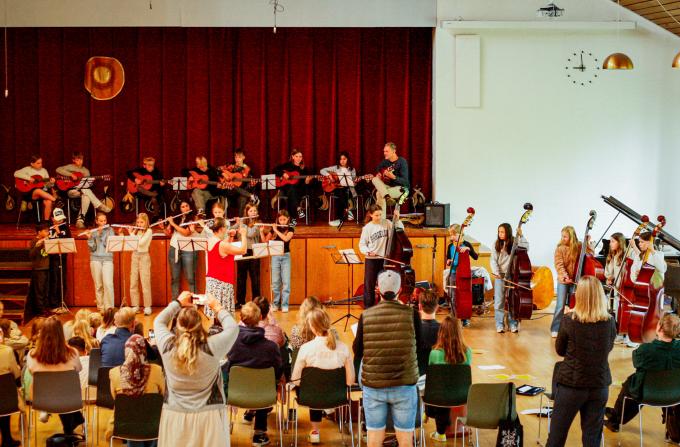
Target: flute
[(168, 218), (132, 227), (92, 230)]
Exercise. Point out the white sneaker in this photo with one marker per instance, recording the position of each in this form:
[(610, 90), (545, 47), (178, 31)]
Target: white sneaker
[(44, 417), (553, 334), (314, 437), (284, 310), (514, 328), (147, 311), (500, 329), (136, 309)]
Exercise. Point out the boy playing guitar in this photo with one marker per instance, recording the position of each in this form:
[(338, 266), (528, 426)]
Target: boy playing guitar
[(36, 184)]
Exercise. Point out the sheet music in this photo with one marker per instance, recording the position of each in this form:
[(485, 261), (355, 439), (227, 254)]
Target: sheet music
[(85, 183), (276, 248), (349, 256), (268, 181), (179, 183)]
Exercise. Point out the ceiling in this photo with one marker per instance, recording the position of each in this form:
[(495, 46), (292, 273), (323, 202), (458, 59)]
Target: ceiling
[(651, 10)]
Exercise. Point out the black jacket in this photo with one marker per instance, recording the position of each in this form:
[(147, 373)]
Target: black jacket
[(585, 348), (252, 350)]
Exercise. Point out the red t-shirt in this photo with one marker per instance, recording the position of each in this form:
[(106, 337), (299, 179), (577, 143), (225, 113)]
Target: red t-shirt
[(219, 267)]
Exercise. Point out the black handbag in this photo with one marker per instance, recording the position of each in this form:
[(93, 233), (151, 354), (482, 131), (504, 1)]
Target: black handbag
[(510, 431)]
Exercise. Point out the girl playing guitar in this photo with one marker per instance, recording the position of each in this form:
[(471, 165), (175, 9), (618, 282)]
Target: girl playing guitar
[(37, 181), (291, 185), (341, 175)]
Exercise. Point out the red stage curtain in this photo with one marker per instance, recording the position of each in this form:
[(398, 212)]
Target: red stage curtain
[(191, 91)]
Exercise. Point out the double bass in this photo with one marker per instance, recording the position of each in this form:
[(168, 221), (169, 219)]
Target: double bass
[(398, 258), (586, 265), (463, 287), (518, 292), (647, 306), (626, 291)]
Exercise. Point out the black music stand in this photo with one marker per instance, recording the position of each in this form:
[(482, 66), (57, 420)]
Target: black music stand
[(348, 257), (61, 247)]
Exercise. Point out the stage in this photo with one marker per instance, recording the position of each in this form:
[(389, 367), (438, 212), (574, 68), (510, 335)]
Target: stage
[(313, 272)]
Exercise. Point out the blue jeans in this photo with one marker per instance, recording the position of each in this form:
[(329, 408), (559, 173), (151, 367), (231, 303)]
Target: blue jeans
[(281, 280), (563, 291), (402, 401), (499, 304), (186, 263)]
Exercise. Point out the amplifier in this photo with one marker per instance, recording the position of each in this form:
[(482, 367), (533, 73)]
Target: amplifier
[(437, 215)]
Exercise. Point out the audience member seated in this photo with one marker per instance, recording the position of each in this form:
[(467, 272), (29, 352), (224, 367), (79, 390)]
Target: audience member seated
[(194, 413), (52, 354), (79, 345), (136, 377), (108, 325), (301, 333), (113, 345), (323, 352), (82, 314), (386, 340), (14, 338), (95, 319), (82, 329), (253, 350), (585, 338), (8, 365), (272, 330), (449, 349), (152, 353), (660, 355), (429, 327)]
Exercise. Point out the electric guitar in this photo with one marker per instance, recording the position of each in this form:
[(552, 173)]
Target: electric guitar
[(65, 183)]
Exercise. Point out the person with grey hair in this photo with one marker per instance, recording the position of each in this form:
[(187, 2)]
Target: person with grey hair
[(386, 341)]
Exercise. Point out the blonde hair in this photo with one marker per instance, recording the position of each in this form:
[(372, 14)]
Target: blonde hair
[(319, 320), (310, 303), (124, 317), (82, 314), (81, 328), (149, 160), (145, 218), (591, 303), (454, 229), (95, 319), (251, 314), (190, 337), (201, 161), (670, 325), (573, 244)]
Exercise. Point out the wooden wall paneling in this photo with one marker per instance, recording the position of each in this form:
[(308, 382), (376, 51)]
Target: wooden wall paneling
[(325, 278), (357, 270), (160, 283), (298, 271)]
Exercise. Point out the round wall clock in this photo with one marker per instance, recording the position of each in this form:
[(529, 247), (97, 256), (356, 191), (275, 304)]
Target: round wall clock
[(582, 68)]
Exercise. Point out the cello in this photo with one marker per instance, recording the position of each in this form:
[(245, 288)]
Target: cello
[(647, 298), (586, 265), (518, 292), (398, 258), (627, 292), (463, 287)]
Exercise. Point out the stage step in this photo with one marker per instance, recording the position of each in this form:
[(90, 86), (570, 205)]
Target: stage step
[(15, 280)]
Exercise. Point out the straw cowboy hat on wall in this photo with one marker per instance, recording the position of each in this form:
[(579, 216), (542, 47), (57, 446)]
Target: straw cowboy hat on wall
[(104, 77)]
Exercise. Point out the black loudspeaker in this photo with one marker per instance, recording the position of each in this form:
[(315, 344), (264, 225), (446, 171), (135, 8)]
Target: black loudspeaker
[(437, 215)]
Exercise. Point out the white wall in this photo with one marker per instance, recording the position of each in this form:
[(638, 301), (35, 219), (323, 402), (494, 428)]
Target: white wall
[(538, 138), (197, 13)]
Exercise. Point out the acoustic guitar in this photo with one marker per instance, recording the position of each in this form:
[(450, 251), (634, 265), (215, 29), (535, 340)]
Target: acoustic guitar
[(147, 181), (36, 182), (65, 183)]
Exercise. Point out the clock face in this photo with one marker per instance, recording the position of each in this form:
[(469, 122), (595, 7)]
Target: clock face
[(582, 68)]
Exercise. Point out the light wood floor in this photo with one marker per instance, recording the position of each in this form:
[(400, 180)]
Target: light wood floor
[(530, 352)]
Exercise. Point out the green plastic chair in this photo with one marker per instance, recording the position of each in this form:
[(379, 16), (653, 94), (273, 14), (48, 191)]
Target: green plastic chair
[(487, 404), (324, 389), (253, 389), (137, 418), (660, 389), (446, 386)]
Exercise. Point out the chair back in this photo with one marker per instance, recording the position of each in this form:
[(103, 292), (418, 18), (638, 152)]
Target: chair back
[(487, 404), (251, 388), (447, 385), (661, 388), (9, 398), (57, 392), (95, 364), (104, 397), (137, 418), (323, 389)]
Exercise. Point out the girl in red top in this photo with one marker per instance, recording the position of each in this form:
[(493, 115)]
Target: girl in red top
[(219, 281)]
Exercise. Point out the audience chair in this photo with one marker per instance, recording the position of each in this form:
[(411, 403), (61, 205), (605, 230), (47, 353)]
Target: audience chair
[(487, 404), (56, 393), (325, 390), (446, 386), (9, 400), (36, 206), (660, 389), (253, 389), (104, 398), (137, 418)]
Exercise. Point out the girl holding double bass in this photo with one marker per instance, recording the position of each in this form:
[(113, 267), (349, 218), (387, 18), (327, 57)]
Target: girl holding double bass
[(500, 261), (644, 253), (452, 251)]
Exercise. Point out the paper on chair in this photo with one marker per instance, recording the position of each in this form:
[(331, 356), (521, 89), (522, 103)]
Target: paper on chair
[(490, 367)]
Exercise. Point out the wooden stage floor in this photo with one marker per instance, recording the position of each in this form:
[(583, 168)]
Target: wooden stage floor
[(531, 352)]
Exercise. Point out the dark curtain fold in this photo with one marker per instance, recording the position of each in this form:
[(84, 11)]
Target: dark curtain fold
[(192, 91)]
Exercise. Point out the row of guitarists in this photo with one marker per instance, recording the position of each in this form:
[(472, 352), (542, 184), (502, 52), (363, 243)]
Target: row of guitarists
[(207, 182)]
